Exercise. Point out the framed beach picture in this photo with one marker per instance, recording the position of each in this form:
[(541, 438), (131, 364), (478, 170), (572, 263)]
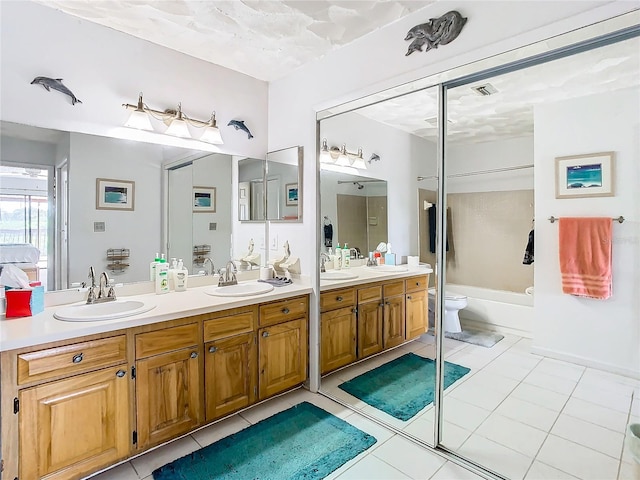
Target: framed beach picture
[(589, 175), (291, 194), (204, 199), (114, 194)]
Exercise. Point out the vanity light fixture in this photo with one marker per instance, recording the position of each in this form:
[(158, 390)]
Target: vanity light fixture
[(177, 121), (341, 157)]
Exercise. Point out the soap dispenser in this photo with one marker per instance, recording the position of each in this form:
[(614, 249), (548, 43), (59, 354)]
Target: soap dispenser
[(162, 276), (181, 275)]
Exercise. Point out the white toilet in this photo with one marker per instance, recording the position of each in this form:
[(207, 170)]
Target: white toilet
[(452, 304)]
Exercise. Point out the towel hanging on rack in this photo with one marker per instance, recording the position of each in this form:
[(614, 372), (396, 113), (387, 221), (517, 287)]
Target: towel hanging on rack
[(528, 251), (432, 230)]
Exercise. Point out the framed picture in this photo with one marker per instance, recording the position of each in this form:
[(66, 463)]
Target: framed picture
[(588, 175), (291, 194), (114, 194), (204, 199)]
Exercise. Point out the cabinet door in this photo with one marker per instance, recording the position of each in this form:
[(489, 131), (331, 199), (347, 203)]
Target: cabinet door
[(283, 357), (369, 328), (230, 374), (75, 426), (167, 396), (338, 338), (416, 314), (394, 325)]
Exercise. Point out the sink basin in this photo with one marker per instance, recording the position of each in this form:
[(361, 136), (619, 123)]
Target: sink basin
[(389, 268), (240, 290), (337, 276), (102, 311)]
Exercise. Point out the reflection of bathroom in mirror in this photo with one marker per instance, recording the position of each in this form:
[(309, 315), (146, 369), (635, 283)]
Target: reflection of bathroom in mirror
[(356, 208), (251, 201), (284, 185), (68, 234)]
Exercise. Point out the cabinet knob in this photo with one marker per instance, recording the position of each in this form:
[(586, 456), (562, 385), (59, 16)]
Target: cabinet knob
[(77, 358), (339, 299), (417, 284), (212, 349), (285, 310), (194, 355), (382, 304), (387, 303), (408, 297), (265, 334), (120, 373)]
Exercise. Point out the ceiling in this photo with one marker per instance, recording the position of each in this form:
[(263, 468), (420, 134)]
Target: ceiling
[(265, 39), (509, 112)]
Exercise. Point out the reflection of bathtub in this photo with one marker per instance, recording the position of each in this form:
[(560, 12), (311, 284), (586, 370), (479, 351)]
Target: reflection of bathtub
[(498, 310)]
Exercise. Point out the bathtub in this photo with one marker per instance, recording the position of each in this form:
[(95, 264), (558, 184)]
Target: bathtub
[(496, 310)]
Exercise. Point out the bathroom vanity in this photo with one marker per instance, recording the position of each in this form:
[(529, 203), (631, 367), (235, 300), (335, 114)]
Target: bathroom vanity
[(78, 397), (372, 312)]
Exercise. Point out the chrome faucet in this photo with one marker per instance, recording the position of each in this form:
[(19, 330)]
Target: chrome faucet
[(324, 257), (354, 253), (212, 271), (91, 296), (111, 294), (229, 277)]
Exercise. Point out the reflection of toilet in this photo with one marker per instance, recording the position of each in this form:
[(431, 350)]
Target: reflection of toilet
[(452, 303)]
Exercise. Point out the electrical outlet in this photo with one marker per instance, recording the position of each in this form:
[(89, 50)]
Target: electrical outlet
[(273, 242), (99, 227), (262, 242)]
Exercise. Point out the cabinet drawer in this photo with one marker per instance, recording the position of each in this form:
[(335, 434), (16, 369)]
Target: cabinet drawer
[(369, 294), (278, 312), (416, 284), (345, 297), (392, 289), (162, 341), (227, 326), (70, 359)]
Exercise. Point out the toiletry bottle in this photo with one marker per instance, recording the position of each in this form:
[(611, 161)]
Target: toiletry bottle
[(180, 277), (346, 256), (173, 266), (337, 261), (162, 276), (152, 268)]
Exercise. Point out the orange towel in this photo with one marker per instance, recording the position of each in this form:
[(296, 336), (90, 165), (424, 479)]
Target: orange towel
[(585, 256)]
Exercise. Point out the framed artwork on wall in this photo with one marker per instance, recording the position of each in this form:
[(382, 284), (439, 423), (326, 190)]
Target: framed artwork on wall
[(291, 194), (589, 175), (204, 199), (115, 194)]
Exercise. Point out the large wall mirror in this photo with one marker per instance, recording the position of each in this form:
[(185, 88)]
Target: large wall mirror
[(113, 206), (284, 185)]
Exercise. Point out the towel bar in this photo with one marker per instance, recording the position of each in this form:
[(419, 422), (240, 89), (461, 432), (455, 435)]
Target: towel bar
[(619, 219)]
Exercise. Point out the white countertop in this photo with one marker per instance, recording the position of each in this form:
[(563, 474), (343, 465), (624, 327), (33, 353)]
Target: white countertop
[(370, 274), (44, 328)]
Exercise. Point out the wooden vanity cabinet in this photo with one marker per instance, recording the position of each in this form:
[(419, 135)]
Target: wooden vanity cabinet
[(282, 345), (168, 394), (338, 326), (394, 327), (416, 306), (370, 319)]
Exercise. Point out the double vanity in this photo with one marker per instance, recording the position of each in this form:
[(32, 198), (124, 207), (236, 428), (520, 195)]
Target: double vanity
[(79, 395)]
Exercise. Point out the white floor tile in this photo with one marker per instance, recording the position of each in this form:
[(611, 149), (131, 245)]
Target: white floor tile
[(533, 415), (629, 471), (560, 369), (540, 471), (380, 433), (499, 458), (321, 401), (409, 458), (512, 434), (579, 461), (345, 397), (540, 396), (372, 468), (612, 400), (519, 358), (478, 395), (469, 360), (597, 376), (219, 430), (463, 414), (146, 464), (550, 382), (635, 406), (265, 410), (453, 436), (451, 471), (523, 345), (497, 382), (507, 369), (385, 417), (121, 472), (591, 412), (590, 435)]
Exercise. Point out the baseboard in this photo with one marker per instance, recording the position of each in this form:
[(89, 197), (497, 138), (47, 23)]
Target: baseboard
[(586, 362), (492, 327)]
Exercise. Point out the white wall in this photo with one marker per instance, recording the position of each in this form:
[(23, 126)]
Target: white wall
[(139, 230), (20, 150), (105, 68), (605, 333)]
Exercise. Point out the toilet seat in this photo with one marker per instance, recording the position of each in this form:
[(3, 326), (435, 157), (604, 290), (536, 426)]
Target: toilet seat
[(447, 296)]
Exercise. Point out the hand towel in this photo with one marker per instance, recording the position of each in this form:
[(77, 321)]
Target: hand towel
[(328, 235), (528, 251), (585, 256)]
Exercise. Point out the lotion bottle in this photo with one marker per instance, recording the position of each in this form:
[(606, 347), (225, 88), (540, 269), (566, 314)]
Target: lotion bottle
[(162, 276), (337, 262), (152, 268), (346, 256), (180, 277)]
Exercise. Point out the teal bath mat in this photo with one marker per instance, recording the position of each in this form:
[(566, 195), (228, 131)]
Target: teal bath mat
[(303, 442), (403, 386)]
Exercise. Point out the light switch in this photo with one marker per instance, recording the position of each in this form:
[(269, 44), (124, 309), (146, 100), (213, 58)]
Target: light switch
[(213, 225), (99, 227), (262, 242)]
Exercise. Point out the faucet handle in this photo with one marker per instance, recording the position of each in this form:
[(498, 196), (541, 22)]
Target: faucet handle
[(92, 276)]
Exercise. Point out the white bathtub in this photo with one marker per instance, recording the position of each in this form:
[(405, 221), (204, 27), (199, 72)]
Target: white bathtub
[(496, 310)]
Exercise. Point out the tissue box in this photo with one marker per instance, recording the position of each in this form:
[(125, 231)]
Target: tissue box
[(390, 258), (24, 302)]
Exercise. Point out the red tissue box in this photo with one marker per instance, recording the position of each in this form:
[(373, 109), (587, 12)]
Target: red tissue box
[(24, 302)]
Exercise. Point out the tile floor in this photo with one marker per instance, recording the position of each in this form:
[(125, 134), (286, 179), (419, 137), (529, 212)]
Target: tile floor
[(522, 415)]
